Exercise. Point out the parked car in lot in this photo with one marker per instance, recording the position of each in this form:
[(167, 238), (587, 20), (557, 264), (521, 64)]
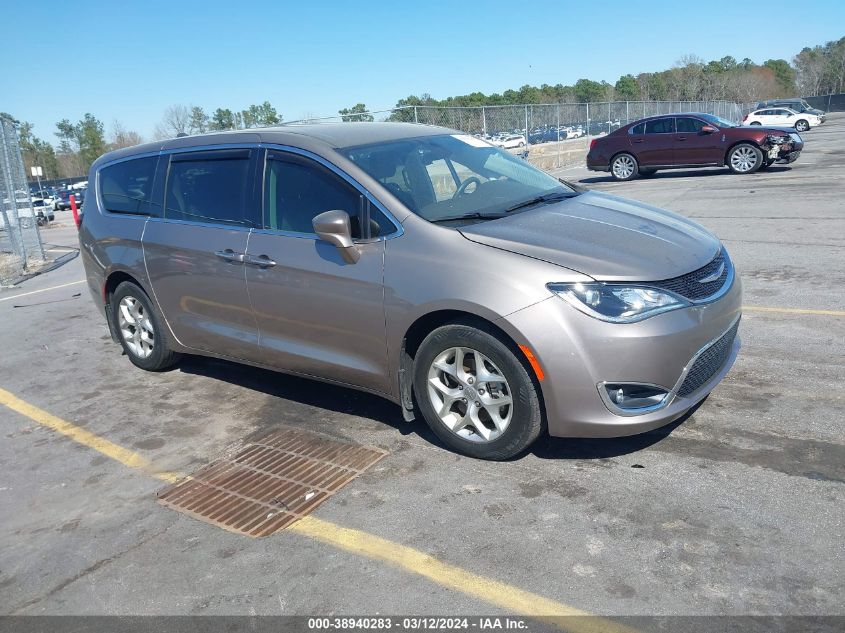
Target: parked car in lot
[(782, 117), (510, 141), (690, 140), (505, 304), (797, 105), (29, 210), (62, 203)]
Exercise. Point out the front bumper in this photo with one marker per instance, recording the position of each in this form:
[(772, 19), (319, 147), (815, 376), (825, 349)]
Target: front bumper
[(578, 354)]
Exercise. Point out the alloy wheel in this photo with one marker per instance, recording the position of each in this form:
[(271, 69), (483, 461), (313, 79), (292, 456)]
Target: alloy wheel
[(135, 326), (743, 159), (623, 167), (470, 394)]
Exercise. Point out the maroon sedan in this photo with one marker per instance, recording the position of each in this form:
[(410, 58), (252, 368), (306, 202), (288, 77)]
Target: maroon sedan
[(675, 141)]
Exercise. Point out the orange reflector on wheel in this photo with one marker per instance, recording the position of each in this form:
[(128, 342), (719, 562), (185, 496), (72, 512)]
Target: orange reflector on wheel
[(535, 364)]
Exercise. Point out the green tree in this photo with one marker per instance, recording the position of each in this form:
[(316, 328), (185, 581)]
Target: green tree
[(356, 113), (37, 151), (222, 119), (198, 121), (260, 115), (91, 137), (784, 74), (627, 88), (587, 90)]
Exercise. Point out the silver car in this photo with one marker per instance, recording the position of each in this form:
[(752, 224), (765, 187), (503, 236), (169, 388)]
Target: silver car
[(416, 263)]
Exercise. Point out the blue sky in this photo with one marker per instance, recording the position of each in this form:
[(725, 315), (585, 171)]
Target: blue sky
[(130, 60)]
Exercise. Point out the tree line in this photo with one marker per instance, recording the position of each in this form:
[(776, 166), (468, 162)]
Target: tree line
[(814, 70)]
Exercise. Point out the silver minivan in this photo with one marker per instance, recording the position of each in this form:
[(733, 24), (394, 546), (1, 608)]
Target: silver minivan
[(417, 263)]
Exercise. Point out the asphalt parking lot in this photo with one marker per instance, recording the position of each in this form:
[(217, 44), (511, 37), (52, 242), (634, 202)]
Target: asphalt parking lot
[(736, 509)]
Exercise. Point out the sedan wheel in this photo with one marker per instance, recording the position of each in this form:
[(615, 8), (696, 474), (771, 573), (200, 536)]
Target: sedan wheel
[(470, 395), (745, 159), (624, 167), (802, 126)]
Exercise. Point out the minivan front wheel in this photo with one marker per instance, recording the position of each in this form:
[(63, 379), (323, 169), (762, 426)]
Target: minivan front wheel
[(475, 394), (139, 329), (624, 167)]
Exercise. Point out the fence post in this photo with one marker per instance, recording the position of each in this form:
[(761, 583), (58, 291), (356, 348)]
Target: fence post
[(484, 119), (416, 120), (558, 136), (526, 126), (588, 118)]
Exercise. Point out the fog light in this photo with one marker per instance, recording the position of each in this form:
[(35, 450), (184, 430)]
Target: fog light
[(632, 398)]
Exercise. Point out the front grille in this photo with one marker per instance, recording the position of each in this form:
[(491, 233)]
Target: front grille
[(709, 362), (689, 286)]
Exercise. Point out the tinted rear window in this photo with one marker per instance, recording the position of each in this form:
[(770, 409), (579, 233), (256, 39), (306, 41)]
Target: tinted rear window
[(638, 129), (210, 186), (127, 187), (660, 126)]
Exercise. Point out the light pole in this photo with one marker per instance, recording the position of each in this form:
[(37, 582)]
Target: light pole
[(38, 172)]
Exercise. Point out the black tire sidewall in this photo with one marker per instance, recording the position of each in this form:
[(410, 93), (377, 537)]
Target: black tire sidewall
[(799, 122), (161, 357), (634, 173), (527, 419)]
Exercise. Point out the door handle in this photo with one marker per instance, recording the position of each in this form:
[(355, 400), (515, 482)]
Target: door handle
[(262, 261), (638, 140), (682, 138), (230, 256)]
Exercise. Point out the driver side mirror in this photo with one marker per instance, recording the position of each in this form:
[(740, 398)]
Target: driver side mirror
[(333, 227), (708, 129)]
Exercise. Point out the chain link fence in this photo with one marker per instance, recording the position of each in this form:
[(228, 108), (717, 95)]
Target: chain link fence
[(547, 135), (20, 240)]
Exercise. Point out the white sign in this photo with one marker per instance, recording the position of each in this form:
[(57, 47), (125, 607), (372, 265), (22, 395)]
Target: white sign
[(37, 171)]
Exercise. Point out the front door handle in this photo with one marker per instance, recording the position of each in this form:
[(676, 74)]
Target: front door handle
[(262, 261), (230, 256), (682, 138)]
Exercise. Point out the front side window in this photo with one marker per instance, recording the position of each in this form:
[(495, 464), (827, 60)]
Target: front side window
[(127, 187), (660, 126), (446, 177), (209, 187), (689, 125), (297, 189)]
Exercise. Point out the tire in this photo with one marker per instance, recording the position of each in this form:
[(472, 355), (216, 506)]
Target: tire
[(154, 355), (756, 123), (744, 158), (437, 363), (624, 167), (521, 144), (647, 173), (801, 125)]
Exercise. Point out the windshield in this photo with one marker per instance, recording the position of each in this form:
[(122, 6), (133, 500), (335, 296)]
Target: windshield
[(718, 121), (454, 176)]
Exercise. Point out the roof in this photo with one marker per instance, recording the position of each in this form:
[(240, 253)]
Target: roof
[(306, 136)]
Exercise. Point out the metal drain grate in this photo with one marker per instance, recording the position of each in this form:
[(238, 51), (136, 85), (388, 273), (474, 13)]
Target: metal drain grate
[(270, 483)]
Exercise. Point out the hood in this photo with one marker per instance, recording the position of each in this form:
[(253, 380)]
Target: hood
[(603, 236)]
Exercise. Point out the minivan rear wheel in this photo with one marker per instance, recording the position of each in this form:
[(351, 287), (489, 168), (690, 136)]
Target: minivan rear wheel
[(624, 167), (475, 394), (139, 329)]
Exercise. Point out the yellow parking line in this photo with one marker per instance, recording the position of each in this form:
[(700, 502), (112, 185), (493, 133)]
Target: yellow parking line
[(509, 598), (840, 313), (24, 294), (78, 434)]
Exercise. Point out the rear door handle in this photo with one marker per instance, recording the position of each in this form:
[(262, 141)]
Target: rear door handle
[(262, 261), (230, 256), (682, 138)]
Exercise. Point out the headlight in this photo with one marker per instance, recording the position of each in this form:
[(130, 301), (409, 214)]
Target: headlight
[(618, 303), (777, 140)]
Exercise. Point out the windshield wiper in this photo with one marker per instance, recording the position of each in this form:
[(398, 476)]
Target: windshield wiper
[(468, 216), (548, 197)]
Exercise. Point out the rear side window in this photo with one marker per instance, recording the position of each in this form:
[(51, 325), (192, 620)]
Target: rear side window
[(127, 187), (296, 189), (209, 187), (687, 124), (638, 129), (660, 126)]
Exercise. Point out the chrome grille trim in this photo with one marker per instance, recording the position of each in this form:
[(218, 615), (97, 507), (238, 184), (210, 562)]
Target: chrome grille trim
[(689, 286)]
